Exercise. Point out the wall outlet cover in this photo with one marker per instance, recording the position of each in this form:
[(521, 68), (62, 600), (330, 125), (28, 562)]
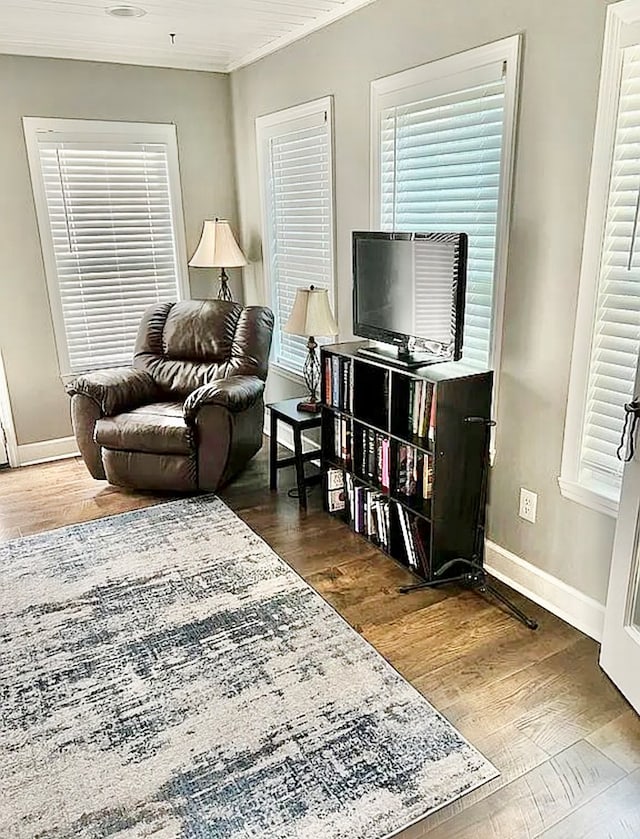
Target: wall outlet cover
[(528, 505)]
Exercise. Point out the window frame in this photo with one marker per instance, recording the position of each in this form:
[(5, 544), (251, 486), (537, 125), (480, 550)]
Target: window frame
[(435, 78), (622, 29), (267, 127), (86, 130)]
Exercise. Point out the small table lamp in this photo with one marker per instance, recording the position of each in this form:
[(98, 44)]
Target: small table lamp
[(218, 249), (311, 315)]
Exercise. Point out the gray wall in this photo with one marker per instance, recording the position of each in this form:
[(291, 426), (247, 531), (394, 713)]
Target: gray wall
[(199, 104), (562, 52)]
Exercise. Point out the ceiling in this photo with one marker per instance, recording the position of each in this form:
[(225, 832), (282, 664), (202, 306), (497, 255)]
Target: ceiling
[(219, 35)]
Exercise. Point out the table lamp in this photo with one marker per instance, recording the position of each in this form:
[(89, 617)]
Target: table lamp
[(218, 249), (311, 315)]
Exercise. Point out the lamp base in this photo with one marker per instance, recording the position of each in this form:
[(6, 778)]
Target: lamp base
[(309, 406), (224, 292)]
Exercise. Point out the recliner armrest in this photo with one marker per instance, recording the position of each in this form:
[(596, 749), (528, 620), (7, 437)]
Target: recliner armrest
[(235, 393), (115, 390)]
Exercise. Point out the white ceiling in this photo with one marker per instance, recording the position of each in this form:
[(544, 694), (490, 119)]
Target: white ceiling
[(217, 35)]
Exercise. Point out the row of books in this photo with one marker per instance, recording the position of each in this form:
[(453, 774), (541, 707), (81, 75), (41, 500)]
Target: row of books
[(370, 514), (341, 439), (414, 477), (422, 409), (414, 541), (374, 457), (338, 382)]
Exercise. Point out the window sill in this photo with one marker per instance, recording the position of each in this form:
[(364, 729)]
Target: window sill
[(286, 374), (596, 496)]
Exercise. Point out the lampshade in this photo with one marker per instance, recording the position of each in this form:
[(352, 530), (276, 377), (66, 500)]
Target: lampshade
[(218, 247), (311, 314)]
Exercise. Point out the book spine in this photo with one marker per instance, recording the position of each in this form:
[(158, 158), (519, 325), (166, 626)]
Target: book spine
[(427, 409), (371, 455), (432, 418), (369, 512), (384, 480), (427, 489), (335, 381), (344, 391), (422, 424), (327, 380), (351, 375), (406, 535), (363, 451), (402, 469), (351, 497), (385, 393), (421, 551)]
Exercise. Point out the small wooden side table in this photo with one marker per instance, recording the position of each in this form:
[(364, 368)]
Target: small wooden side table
[(287, 412)]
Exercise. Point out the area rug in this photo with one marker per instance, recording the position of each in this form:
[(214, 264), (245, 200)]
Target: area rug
[(164, 674)]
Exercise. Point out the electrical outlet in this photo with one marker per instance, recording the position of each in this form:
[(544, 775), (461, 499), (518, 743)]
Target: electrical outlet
[(528, 505)]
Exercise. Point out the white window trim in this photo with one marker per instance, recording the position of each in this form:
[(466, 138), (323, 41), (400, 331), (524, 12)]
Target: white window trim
[(592, 492), (507, 50), (98, 130), (265, 126)]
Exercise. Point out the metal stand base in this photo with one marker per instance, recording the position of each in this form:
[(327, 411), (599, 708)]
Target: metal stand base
[(477, 579)]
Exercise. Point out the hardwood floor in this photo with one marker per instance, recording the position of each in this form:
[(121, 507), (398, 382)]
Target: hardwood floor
[(535, 703)]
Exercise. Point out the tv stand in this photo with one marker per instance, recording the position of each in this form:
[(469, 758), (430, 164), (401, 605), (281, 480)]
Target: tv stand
[(405, 462), (401, 357)]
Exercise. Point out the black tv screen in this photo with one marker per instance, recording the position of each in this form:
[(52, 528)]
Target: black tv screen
[(409, 289)]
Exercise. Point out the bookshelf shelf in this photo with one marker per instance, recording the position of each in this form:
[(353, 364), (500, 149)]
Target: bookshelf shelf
[(401, 463), (420, 443)]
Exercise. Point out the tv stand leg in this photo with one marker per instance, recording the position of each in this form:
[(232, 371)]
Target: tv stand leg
[(477, 580), (517, 612)]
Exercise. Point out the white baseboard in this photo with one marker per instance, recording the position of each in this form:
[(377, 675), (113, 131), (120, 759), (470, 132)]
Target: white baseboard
[(31, 453), (556, 596)]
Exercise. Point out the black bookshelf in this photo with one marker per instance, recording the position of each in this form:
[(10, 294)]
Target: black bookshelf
[(366, 402)]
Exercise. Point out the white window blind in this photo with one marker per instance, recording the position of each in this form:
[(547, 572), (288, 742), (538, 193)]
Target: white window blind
[(616, 329), (298, 215), (440, 169), (113, 249)]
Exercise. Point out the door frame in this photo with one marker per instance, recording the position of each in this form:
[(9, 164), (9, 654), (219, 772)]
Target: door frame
[(6, 418), (620, 639)]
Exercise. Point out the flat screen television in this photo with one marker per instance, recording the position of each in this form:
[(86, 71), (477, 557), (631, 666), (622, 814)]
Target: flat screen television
[(409, 292)]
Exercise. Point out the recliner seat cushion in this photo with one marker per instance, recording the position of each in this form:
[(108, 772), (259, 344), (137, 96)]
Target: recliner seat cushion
[(158, 428)]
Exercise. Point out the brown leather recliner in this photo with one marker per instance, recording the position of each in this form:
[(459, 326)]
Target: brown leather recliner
[(188, 415)]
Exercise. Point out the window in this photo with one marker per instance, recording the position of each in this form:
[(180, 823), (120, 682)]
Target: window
[(296, 180), (442, 150), (607, 332), (110, 218)]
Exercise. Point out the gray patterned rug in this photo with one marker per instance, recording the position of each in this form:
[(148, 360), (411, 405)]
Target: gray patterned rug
[(164, 674)]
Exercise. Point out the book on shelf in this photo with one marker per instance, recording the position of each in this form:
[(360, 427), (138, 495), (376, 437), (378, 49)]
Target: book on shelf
[(374, 461), (420, 401), (415, 541), (342, 439), (424, 564), (414, 473), (407, 537), (431, 433), (336, 496), (335, 381), (338, 382), (370, 512), (385, 471)]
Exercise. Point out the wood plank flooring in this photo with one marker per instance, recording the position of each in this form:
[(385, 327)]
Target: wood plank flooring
[(536, 703)]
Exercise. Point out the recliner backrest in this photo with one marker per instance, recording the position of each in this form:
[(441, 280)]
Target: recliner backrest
[(188, 344)]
